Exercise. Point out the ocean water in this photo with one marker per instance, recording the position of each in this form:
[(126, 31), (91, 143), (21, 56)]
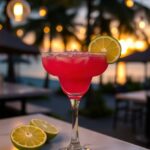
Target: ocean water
[(35, 70)]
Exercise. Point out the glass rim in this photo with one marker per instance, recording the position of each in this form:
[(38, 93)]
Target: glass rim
[(54, 52)]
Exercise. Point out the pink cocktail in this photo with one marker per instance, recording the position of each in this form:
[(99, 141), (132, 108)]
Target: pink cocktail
[(75, 71)]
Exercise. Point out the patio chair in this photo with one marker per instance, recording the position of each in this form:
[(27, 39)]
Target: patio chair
[(132, 113)]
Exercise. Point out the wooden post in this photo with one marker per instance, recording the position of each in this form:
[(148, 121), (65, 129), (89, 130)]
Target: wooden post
[(147, 124), (11, 70)]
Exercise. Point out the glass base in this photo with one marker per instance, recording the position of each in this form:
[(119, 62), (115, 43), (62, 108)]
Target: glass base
[(70, 148), (75, 145)]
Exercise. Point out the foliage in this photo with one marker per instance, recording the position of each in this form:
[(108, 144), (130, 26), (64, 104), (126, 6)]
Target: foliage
[(57, 14), (129, 86), (107, 88), (146, 84), (98, 107), (133, 85), (60, 92), (117, 10)]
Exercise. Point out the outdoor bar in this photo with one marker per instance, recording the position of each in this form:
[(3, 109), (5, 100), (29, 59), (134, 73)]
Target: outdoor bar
[(75, 75)]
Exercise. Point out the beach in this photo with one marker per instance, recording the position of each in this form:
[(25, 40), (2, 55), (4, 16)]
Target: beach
[(36, 70)]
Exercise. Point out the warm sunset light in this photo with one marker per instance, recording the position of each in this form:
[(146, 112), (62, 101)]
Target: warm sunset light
[(42, 12), (18, 11), (73, 45), (19, 32), (124, 47), (131, 44), (46, 29), (59, 28), (57, 45), (129, 3), (142, 24), (81, 33), (114, 30), (1, 26), (46, 43), (82, 30), (121, 73), (140, 45), (29, 38)]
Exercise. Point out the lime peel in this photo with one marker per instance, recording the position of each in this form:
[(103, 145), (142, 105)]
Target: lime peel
[(50, 130), (108, 45)]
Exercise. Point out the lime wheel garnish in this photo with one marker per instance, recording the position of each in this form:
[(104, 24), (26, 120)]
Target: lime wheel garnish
[(108, 45)]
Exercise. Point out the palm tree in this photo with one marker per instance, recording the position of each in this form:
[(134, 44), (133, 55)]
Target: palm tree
[(109, 11), (5, 21), (57, 14)]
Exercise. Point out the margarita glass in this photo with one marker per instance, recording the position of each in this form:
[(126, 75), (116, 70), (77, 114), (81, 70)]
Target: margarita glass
[(74, 71)]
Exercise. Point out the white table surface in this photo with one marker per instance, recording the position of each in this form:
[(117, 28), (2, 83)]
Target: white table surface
[(137, 96), (96, 140), (11, 90)]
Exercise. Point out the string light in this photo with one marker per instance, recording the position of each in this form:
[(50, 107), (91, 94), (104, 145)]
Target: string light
[(42, 12), (129, 3), (142, 24), (59, 28), (19, 32), (18, 10), (46, 29)]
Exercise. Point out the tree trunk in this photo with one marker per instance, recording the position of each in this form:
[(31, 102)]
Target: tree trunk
[(89, 9), (11, 69), (47, 79), (65, 42)]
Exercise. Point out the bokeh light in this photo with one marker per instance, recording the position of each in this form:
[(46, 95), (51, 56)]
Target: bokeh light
[(20, 32), (124, 47), (46, 29), (57, 45), (140, 45), (42, 12), (114, 31), (121, 73), (1, 26), (29, 38), (46, 43), (18, 10), (73, 45), (142, 24), (129, 3), (59, 28)]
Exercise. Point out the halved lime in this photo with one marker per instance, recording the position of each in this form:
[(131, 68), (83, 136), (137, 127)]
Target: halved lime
[(108, 45), (27, 137), (48, 128)]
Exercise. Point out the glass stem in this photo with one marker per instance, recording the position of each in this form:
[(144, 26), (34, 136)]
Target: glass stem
[(75, 144)]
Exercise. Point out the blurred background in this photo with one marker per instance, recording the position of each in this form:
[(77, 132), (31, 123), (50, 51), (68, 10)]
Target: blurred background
[(69, 25), (29, 27)]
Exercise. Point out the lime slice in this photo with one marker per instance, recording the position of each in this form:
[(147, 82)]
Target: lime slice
[(48, 128), (108, 45), (27, 137)]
